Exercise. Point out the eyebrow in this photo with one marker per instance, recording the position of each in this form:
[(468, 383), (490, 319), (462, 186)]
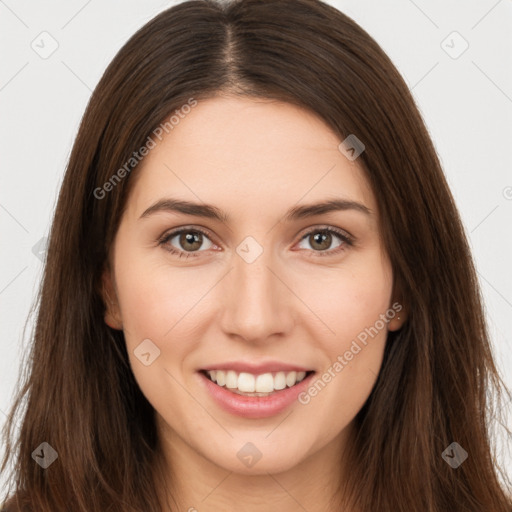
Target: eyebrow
[(212, 212)]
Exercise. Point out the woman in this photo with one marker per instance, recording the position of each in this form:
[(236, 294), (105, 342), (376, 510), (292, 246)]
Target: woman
[(258, 292)]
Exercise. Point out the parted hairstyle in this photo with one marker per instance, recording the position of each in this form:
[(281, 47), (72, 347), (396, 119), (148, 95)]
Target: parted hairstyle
[(438, 382)]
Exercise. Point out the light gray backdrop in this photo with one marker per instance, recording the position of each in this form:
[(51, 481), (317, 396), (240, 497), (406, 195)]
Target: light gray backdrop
[(455, 56)]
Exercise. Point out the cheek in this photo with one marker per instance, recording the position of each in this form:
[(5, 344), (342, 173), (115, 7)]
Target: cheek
[(154, 308), (147, 314), (156, 303), (348, 300), (354, 307)]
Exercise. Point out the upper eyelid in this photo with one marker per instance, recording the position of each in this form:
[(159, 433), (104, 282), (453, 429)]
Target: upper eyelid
[(173, 232)]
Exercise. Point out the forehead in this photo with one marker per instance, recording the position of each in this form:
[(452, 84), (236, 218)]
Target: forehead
[(250, 155)]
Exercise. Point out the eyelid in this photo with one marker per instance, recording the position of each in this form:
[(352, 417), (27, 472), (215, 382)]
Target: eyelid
[(345, 235)]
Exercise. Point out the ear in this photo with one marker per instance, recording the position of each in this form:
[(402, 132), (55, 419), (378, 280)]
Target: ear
[(397, 309), (400, 316), (109, 295)]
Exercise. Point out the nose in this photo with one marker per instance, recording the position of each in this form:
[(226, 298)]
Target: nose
[(256, 304)]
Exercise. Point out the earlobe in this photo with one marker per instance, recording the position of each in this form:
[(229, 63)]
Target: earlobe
[(112, 313), (398, 321), (398, 313)]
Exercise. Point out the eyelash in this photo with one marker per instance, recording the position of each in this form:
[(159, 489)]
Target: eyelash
[(345, 238)]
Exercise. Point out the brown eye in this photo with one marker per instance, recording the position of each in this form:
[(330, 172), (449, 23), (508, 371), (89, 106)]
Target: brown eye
[(320, 241), (191, 240), (326, 241), (186, 241)]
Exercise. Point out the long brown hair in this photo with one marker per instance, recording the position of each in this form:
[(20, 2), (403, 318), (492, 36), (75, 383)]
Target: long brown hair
[(77, 392)]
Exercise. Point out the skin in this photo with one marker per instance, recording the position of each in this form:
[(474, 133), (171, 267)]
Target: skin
[(253, 159)]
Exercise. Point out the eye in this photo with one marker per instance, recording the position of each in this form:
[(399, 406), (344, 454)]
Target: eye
[(185, 242), (321, 240)]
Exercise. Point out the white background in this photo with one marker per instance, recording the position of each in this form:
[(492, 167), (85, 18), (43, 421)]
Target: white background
[(466, 103)]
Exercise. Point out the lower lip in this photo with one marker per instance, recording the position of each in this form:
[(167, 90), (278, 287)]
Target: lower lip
[(255, 406)]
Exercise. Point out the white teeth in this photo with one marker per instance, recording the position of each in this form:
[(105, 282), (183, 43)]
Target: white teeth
[(246, 382), (231, 379), (264, 383), (291, 378), (221, 377), (280, 380)]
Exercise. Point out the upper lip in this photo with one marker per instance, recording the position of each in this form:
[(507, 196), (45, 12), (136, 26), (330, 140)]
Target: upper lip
[(257, 369)]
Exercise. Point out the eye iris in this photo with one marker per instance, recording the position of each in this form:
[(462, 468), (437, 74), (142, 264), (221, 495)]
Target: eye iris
[(193, 238), (320, 238)]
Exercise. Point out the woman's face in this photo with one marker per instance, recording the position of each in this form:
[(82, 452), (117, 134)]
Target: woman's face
[(259, 287)]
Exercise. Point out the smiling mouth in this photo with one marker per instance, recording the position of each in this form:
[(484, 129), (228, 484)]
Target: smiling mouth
[(248, 384)]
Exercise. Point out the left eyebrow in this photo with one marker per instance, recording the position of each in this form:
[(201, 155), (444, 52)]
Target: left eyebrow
[(295, 213), (309, 210)]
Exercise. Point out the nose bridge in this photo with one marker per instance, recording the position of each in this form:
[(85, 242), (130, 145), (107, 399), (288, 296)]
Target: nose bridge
[(255, 305)]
